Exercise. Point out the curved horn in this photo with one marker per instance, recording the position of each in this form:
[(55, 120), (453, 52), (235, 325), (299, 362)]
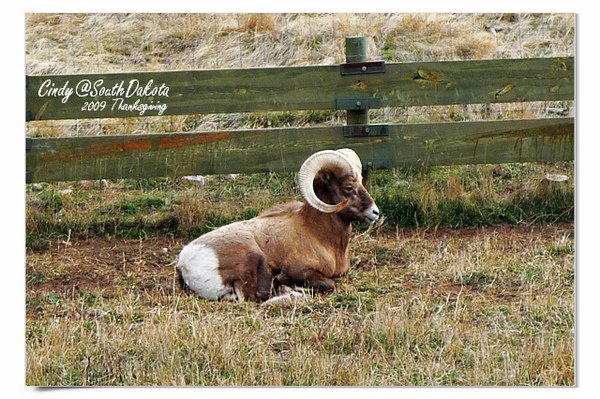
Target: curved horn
[(326, 159), (354, 159)]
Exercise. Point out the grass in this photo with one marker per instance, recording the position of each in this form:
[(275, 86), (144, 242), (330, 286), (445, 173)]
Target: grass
[(472, 195), (469, 280), (481, 306), (424, 303), (464, 196)]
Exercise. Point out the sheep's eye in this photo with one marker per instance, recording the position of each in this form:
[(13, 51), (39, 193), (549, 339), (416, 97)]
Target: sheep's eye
[(349, 190)]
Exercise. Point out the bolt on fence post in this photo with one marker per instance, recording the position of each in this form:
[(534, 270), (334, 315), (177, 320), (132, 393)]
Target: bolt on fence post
[(356, 51)]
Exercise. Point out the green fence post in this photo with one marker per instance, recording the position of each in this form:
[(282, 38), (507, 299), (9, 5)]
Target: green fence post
[(356, 51)]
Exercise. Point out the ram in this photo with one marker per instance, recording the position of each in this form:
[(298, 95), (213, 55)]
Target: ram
[(302, 244)]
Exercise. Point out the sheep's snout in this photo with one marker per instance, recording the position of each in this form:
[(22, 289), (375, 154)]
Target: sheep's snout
[(372, 213)]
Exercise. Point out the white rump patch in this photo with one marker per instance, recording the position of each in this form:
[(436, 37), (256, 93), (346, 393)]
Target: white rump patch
[(199, 266)]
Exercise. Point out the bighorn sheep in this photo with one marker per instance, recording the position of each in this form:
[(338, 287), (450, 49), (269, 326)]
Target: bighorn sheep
[(293, 244)]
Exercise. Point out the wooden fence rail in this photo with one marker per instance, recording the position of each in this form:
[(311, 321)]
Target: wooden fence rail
[(354, 87), (260, 150), (300, 88)]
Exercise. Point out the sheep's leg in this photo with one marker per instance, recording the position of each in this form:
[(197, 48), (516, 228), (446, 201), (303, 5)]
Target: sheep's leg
[(238, 288), (282, 298), (256, 280), (264, 280), (319, 282), (283, 279), (309, 278)]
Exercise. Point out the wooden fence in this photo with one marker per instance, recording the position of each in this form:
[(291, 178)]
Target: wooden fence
[(356, 86)]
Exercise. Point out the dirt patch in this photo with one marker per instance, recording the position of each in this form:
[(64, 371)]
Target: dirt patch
[(103, 265)]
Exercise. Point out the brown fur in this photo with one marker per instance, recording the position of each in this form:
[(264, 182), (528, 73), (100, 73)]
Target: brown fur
[(292, 243)]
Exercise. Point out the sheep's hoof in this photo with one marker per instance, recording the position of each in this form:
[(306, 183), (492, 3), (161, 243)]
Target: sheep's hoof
[(289, 297)]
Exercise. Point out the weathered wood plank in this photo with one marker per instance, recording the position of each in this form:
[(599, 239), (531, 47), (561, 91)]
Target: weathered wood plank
[(297, 88), (252, 151)]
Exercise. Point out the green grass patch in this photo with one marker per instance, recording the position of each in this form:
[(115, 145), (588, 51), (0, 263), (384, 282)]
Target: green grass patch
[(460, 196), (470, 195)]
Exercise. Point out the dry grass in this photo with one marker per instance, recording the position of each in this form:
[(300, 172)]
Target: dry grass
[(78, 43), (472, 307), (259, 23)]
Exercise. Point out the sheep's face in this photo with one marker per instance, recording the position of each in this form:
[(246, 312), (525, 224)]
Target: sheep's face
[(347, 190)]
